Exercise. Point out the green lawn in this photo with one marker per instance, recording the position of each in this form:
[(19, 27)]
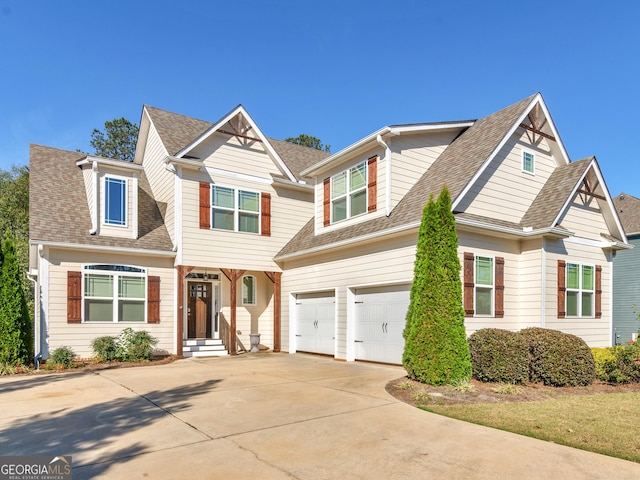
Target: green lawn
[(603, 423)]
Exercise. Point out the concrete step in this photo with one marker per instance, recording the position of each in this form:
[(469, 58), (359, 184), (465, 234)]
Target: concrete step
[(202, 341), (206, 353)]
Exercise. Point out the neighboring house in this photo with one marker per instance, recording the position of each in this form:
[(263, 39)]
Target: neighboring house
[(626, 277), (216, 231)]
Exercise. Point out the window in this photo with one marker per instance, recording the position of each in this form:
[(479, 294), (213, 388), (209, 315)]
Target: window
[(114, 293), (349, 193), (528, 162), (115, 201), (484, 286), (235, 210), (580, 290), (248, 290)]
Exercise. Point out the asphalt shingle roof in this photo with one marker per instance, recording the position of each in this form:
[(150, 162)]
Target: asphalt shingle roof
[(628, 209), (59, 211)]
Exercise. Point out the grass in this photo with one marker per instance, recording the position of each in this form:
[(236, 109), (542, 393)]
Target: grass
[(604, 424)]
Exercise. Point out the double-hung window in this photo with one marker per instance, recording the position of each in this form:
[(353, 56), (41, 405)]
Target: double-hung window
[(484, 286), (115, 201), (248, 290), (349, 193), (528, 162), (235, 210), (580, 290), (114, 293)]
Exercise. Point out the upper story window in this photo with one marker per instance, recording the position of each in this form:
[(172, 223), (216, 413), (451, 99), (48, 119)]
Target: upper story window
[(528, 162), (349, 193), (114, 293), (235, 210), (484, 285), (115, 201), (248, 290), (580, 290)]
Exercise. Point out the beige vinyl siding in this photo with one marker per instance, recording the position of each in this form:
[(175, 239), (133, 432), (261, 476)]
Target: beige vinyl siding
[(411, 156), (584, 220), (290, 210), (79, 336), (504, 191), (530, 282), (160, 179), (380, 192), (595, 331)]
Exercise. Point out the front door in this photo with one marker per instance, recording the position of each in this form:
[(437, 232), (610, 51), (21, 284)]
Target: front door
[(199, 310)]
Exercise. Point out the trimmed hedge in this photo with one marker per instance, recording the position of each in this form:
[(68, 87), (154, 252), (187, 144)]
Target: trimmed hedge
[(558, 359), (619, 364), (499, 356)]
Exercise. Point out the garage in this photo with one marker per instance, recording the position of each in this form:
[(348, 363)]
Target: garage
[(315, 322), (380, 320)]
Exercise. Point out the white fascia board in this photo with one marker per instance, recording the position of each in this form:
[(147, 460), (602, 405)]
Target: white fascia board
[(571, 195), (254, 127), (119, 164), (517, 232), (419, 128), (554, 131), (303, 186), (505, 139), (103, 248), (620, 233), (187, 163)]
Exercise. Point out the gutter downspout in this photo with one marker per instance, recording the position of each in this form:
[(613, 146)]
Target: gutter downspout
[(543, 319), (36, 344), (96, 199), (387, 182)]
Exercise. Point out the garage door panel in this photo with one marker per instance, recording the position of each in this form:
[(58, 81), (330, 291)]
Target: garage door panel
[(315, 322)]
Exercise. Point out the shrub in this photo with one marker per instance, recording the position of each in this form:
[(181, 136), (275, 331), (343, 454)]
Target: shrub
[(135, 346), (628, 362), (105, 348), (558, 359), (499, 356), (62, 356)]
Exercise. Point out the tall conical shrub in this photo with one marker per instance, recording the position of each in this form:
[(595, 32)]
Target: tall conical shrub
[(15, 325), (436, 350)]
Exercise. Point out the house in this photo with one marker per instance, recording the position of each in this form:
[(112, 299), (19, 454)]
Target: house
[(216, 231), (626, 287)]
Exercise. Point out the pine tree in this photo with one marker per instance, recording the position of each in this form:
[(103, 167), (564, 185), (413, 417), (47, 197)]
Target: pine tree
[(15, 324), (436, 349)]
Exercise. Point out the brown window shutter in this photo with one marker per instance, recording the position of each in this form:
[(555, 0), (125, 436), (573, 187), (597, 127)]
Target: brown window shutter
[(372, 189), (598, 291), (562, 288), (469, 259), (265, 215), (327, 201), (499, 288), (74, 297), (205, 205), (153, 299)]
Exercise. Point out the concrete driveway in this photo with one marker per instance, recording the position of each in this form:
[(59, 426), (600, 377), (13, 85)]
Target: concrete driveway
[(270, 416)]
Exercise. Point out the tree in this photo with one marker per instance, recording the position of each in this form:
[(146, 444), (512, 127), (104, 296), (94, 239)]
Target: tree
[(436, 349), (117, 141), (16, 327), (309, 141)]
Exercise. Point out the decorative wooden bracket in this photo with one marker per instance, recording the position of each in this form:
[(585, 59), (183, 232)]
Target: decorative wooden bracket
[(589, 191), (536, 128)]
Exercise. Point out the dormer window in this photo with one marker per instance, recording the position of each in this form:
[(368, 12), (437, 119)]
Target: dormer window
[(115, 201), (349, 193)]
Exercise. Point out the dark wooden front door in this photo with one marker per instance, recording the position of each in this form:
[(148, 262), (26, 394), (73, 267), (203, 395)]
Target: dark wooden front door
[(199, 312)]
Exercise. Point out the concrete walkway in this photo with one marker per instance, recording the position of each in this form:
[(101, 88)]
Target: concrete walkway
[(268, 416)]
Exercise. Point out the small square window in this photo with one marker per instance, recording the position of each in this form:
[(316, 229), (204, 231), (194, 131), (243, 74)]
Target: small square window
[(528, 162)]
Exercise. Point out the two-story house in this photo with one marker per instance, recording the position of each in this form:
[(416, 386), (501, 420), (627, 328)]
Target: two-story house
[(216, 231)]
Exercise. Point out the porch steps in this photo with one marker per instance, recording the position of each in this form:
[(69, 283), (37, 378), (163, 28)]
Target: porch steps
[(203, 348)]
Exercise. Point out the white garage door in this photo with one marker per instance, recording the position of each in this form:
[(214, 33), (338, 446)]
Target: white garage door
[(315, 322), (380, 321)]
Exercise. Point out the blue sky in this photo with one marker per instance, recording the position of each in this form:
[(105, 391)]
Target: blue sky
[(338, 70)]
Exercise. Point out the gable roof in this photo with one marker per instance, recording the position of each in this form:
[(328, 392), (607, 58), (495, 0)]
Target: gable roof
[(59, 210), (179, 132), (457, 167), (628, 210)]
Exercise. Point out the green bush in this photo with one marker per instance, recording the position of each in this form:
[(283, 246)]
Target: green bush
[(499, 356), (62, 356), (135, 346), (628, 363), (558, 359), (105, 348)]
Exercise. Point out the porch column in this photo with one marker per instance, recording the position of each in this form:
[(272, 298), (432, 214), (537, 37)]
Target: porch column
[(183, 271), (275, 277), (233, 276)]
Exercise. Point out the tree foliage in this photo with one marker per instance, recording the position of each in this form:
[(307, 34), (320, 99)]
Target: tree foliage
[(436, 349), (15, 324), (309, 141), (118, 140)]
